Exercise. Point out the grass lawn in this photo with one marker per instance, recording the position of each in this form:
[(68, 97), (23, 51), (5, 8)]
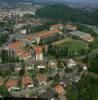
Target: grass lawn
[(76, 45), (73, 45)]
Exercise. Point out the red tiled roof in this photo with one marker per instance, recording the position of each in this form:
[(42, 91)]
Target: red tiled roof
[(48, 33), (41, 77), (17, 47), (59, 89), (25, 54), (15, 44), (26, 80), (38, 50), (11, 83)]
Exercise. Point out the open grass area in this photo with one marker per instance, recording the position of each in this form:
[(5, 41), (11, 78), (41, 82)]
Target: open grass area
[(73, 45), (76, 45)]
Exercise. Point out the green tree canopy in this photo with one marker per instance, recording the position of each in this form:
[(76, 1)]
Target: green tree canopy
[(4, 92)]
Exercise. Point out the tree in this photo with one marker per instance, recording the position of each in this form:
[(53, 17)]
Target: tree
[(94, 64), (85, 28), (50, 49), (4, 92), (8, 56), (65, 13), (87, 89), (22, 71), (94, 44), (3, 38)]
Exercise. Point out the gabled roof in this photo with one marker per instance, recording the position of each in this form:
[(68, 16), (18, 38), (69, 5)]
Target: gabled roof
[(11, 83), (26, 80), (59, 89), (17, 47), (25, 54), (15, 44), (48, 33), (41, 77)]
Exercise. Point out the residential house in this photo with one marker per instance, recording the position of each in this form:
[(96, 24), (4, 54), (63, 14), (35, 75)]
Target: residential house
[(52, 64), (29, 68), (17, 69), (59, 89), (71, 63), (27, 82), (25, 55), (41, 66), (76, 78), (84, 66), (30, 38), (41, 78), (23, 31), (64, 82), (11, 84)]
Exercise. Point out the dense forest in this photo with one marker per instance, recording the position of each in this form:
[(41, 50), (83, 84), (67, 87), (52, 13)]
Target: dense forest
[(94, 64), (86, 89), (61, 12)]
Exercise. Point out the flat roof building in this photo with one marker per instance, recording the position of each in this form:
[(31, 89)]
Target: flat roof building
[(82, 35)]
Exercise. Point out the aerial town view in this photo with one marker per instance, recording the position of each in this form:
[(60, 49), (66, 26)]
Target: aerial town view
[(49, 49)]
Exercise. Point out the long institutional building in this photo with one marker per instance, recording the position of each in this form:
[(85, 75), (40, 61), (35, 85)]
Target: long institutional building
[(49, 36)]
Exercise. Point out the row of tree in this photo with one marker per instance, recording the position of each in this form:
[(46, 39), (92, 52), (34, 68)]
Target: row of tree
[(3, 38), (63, 51), (8, 56)]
